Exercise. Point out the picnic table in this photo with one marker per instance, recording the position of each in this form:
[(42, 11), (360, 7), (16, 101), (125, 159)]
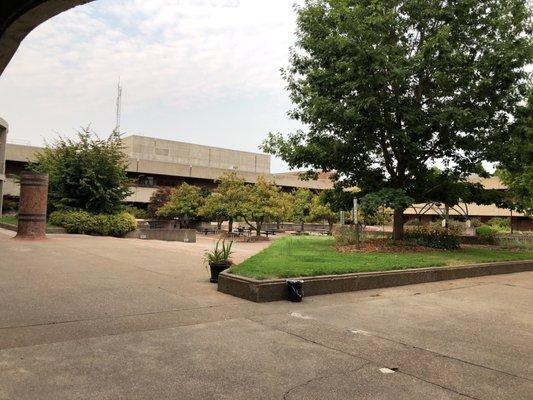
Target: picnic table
[(209, 230)]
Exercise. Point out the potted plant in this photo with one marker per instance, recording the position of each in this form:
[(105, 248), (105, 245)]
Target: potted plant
[(218, 259)]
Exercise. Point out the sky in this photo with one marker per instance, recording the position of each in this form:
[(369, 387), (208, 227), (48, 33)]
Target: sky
[(200, 71)]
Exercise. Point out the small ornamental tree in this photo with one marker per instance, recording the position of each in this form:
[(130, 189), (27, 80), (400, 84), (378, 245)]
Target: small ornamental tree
[(283, 209), (233, 191), (260, 205), (387, 89), (184, 203), (322, 212), (85, 173), (214, 209), (301, 206), (158, 199)]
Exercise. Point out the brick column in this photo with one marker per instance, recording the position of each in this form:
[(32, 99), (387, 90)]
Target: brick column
[(32, 207)]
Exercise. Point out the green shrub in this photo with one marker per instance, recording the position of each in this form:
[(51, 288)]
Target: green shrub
[(500, 224), (475, 223), (455, 227), (9, 204), (487, 233), (83, 222), (122, 223), (413, 222), (436, 237), (345, 236), (137, 212)]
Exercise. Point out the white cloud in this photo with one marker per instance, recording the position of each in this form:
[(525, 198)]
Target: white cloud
[(185, 52), (173, 54)]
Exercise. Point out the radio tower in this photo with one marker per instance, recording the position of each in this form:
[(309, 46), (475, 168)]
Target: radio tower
[(119, 105)]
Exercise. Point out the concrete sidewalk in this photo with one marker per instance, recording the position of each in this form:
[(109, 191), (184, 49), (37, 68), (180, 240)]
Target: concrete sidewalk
[(102, 318)]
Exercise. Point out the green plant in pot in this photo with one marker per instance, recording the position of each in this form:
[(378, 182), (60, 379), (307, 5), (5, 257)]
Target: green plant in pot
[(219, 258)]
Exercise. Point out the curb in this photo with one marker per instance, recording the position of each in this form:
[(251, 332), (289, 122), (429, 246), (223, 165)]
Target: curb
[(261, 291)]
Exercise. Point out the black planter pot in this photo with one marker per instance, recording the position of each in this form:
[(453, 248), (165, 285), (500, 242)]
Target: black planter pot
[(217, 269)]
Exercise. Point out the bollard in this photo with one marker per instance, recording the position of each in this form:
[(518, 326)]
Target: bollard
[(32, 207)]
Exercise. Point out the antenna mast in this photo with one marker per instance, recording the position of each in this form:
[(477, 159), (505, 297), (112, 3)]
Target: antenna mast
[(119, 104)]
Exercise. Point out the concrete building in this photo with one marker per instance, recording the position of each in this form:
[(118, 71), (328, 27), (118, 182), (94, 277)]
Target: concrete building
[(427, 213), (158, 162)]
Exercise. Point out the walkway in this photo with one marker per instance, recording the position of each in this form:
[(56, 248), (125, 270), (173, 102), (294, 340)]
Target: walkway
[(101, 318)]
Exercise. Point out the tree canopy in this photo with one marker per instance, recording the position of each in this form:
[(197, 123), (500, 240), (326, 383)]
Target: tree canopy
[(184, 203), (387, 89), (516, 169), (260, 203), (85, 173)]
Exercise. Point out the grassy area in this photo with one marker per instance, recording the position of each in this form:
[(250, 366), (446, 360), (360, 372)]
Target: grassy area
[(310, 256), (12, 219), (9, 219)]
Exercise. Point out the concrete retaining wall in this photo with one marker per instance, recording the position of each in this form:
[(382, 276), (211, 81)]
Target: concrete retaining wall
[(276, 289), (171, 235)]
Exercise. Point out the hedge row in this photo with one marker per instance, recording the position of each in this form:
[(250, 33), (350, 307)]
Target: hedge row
[(433, 236), (90, 224)]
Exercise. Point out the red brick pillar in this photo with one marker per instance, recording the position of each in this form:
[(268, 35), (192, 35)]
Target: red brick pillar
[(32, 207)]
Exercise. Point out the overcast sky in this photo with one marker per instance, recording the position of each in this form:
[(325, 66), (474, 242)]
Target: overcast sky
[(201, 71)]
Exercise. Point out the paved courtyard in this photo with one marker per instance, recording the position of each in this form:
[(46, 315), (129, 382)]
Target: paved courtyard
[(102, 318)]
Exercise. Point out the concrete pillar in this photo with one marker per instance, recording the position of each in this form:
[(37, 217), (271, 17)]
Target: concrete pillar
[(3, 138), (32, 206)]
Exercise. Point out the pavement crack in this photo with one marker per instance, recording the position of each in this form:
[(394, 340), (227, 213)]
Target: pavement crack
[(318, 378), (400, 371), (116, 316), (436, 353)]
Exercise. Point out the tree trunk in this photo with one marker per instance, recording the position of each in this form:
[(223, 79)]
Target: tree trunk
[(397, 225), (258, 227), (330, 227), (278, 225), (302, 227), (219, 224), (230, 225)]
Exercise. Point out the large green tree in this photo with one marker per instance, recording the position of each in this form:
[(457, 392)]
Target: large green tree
[(388, 88), (516, 169), (85, 173)]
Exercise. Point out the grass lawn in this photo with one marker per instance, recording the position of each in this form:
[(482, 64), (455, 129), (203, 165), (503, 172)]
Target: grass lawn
[(9, 219), (12, 219), (310, 256)]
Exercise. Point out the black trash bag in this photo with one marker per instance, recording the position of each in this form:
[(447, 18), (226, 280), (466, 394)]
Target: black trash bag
[(296, 290)]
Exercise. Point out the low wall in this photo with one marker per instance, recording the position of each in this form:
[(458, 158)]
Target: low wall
[(276, 289), (171, 235)]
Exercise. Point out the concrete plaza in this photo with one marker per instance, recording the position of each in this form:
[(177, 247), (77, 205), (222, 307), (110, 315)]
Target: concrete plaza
[(103, 318)]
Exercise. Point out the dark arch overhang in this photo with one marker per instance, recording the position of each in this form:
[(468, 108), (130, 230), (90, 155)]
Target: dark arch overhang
[(19, 17)]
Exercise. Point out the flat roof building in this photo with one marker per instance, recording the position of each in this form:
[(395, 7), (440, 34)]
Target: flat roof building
[(154, 162)]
